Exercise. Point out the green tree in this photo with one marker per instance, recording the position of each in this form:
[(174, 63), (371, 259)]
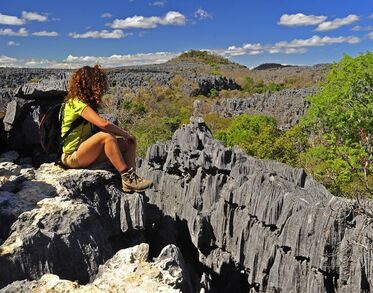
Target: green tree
[(345, 103), (254, 134), (290, 144), (248, 85), (213, 93), (340, 123)]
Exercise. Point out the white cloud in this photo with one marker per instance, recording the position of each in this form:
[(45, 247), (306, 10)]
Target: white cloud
[(370, 35), (121, 60), (301, 19), (72, 61), (12, 43), (277, 50), (171, 18), (370, 16), (158, 3), (45, 34), (246, 49), (296, 46), (10, 20), (22, 32), (337, 23), (202, 14), (34, 16), (317, 41), (5, 60), (106, 15), (359, 28), (104, 34)]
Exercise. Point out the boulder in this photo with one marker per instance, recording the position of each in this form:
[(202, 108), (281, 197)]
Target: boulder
[(51, 88), (129, 270), (10, 115), (82, 214)]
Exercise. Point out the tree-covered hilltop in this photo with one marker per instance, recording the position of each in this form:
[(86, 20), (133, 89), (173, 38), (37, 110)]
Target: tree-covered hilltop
[(204, 57)]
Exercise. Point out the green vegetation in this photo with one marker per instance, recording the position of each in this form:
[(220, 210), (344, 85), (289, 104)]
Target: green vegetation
[(213, 92), (203, 57), (137, 108), (258, 136), (250, 86), (215, 72), (340, 122), (254, 134)]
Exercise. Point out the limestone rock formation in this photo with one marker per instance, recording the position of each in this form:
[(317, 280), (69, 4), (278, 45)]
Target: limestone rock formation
[(127, 271), (51, 88), (254, 225), (5, 97), (64, 222), (286, 106), (12, 78), (31, 83)]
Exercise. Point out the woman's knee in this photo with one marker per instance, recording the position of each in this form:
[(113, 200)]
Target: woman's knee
[(107, 137)]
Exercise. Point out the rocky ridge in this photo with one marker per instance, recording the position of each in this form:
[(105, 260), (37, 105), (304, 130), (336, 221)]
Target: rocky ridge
[(126, 77), (286, 106), (256, 225)]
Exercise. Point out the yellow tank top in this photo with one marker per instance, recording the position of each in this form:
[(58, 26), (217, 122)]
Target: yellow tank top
[(73, 109)]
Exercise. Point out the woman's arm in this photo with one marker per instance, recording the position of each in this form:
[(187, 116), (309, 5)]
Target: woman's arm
[(91, 116)]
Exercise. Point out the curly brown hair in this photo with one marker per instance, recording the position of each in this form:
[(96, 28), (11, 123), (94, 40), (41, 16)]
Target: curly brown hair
[(88, 84)]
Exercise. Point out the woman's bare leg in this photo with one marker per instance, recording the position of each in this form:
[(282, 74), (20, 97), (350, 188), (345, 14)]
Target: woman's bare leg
[(128, 150), (99, 144)]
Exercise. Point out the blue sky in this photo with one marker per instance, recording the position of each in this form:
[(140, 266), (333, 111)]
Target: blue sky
[(43, 33)]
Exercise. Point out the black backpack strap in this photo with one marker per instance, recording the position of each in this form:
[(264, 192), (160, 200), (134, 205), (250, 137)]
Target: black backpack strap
[(74, 125), (78, 121)]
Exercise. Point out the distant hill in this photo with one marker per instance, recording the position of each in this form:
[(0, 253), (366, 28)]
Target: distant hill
[(204, 57), (266, 66)]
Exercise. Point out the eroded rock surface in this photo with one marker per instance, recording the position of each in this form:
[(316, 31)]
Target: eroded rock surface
[(67, 222), (286, 106), (129, 270), (53, 87), (254, 225)]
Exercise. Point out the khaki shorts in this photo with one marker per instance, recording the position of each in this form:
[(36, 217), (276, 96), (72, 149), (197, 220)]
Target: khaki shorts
[(70, 160)]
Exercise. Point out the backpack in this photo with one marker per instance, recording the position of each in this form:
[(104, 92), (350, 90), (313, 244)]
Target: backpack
[(50, 130)]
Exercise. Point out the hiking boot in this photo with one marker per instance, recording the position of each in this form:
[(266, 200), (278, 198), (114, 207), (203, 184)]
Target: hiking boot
[(133, 182)]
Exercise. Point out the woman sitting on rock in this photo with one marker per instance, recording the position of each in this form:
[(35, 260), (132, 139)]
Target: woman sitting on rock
[(82, 148)]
